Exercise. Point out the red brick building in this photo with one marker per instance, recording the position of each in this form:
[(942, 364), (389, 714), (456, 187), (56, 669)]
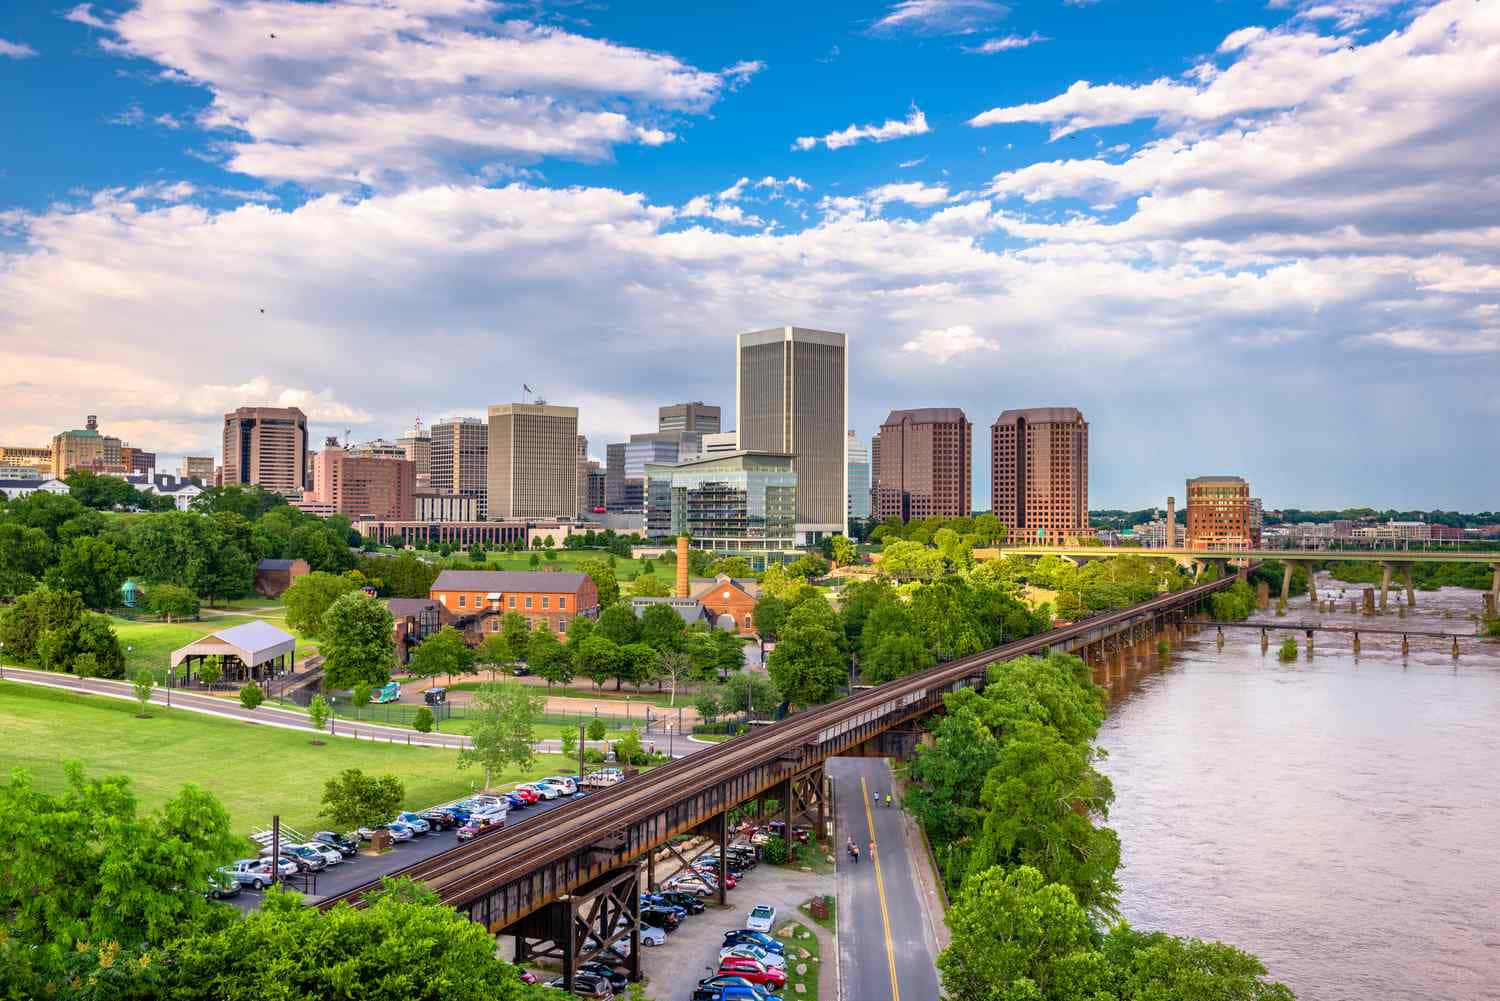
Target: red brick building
[(364, 486), (1218, 513), (734, 598), (925, 465), (1039, 474), (477, 599), (274, 576)]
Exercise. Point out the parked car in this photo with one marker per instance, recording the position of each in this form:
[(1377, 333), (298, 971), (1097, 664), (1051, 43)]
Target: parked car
[(729, 988), (435, 696), (478, 825), (400, 831), (389, 692), (440, 818), (618, 982), (745, 949), (222, 883), (650, 935), (415, 822), (307, 859), (762, 917), (516, 801), (254, 873), (527, 977), (586, 985), (568, 784), (681, 898), (761, 939), (542, 791), (660, 917), (529, 794), (555, 787), (344, 846), (753, 970), (692, 883), (711, 873), (331, 855)]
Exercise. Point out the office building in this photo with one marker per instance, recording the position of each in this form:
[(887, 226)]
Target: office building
[(266, 447), (379, 448), (363, 486), (416, 445), (1039, 474), (926, 465), (591, 488), (792, 395), (533, 461), (1218, 513), (460, 459), (19, 473), (859, 478), (738, 503), (696, 416), (625, 472), (716, 444), (432, 507), (35, 458), (197, 467), (86, 449), (137, 460), (1257, 520), (582, 458)]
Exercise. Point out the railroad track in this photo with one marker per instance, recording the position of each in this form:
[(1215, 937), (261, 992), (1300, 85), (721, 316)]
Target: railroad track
[(466, 871)]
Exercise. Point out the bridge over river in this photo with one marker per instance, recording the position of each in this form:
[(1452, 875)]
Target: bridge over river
[(563, 888)]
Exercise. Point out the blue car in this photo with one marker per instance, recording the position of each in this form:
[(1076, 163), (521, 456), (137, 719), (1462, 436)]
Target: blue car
[(516, 801), (747, 937), (659, 903), (725, 987)]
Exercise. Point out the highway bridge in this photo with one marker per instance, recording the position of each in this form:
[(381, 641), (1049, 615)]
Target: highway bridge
[(569, 889)]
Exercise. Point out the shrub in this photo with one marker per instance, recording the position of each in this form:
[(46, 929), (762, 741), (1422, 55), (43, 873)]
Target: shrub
[(361, 695), (250, 695), (776, 852), (1163, 647), (422, 721), (596, 729), (1288, 651), (317, 712), (592, 756), (569, 741)]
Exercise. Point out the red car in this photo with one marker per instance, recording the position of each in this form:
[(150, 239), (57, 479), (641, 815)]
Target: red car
[(752, 970), (712, 872), (529, 795), (478, 826)]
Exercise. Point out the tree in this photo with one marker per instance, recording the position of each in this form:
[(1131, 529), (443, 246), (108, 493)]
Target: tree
[(598, 658), (807, 666), (662, 627), (1016, 937), (422, 720), (535, 561), (93, 568), (596, 729), (356, 642), (25, 554), (906, 561), (309, 598), (770, 614), (1159, 967), (317, 712), (476, 553), (82, 865), (708, 706), (444, 652), (895, 656), (506, 648), (628, 749), (503, 719), (169, 601), (843, 550), (1044, 801), (754, 694), (946, 776), (51, 629), (734, 567), (209, 671), (637, 665), (250, 695), (547, 657), (674, 666), (729, 653), (142, 687), (603, 576), (569, 737), (618, 624), (352, 799), (649, 586), (361, 695)]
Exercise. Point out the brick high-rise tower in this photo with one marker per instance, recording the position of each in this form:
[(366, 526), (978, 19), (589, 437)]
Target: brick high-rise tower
[(1039, 474)]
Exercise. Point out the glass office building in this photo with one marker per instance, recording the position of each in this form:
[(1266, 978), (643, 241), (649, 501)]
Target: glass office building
[(859, 478), (737, 503)]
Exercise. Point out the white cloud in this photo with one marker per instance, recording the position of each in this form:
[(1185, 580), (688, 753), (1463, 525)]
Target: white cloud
[(915, 124), (131, 115), (912, 193), (778, 185), (1007, 42), (368, 92), (15, 50), (945, 343), (908, 164), (940, 17)]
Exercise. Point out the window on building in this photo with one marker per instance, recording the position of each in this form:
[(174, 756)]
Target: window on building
[(562, 601), (462, 600), (546, 601), (528, 601), (562, 623), (512, 601), (494, 625)]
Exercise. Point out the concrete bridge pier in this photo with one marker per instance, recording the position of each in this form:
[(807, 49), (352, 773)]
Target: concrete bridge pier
[(1286, 581), (1455, 648), (1265, 640), (1219, 640), (1312, 582), (1309, 644), (1356, 643), (1263, 596), (1494, 588), (1369, 601), (1411, 592), (1489, 605)]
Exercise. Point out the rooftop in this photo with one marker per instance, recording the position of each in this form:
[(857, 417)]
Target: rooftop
[(927, 415), (538, 581), (1041, 415)]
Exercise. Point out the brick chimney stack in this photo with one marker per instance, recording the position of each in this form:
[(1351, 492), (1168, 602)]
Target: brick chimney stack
[(682, 566), (1171, 539)]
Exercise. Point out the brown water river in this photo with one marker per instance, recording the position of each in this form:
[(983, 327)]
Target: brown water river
[(1339, 816)]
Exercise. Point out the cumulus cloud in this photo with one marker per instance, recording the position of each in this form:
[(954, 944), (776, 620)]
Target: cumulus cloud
[(915, 124), (940, 17), (1006, 43), (372, 93), (912, 193), (946, 343), (15, 50)]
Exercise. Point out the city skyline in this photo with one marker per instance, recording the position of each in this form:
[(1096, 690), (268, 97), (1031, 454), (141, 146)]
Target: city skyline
[(936, 179)]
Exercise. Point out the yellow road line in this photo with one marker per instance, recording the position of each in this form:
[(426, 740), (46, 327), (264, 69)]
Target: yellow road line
[(885, 914)]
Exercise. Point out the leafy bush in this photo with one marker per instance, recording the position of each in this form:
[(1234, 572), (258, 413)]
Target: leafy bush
[(592, 756), (1288, 651), (776, 852), (422, 721), (1163, 647), (596, 729), (250, 695)]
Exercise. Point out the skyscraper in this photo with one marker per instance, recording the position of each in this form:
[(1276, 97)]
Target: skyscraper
[(364, 486), (792, 394), (266, 447), (460, 458), (417, 446), (1218, 513), (696, 416), (87, 449), (197, 467), (1039, 474), (859, 478), (926, 464), (533, 461)]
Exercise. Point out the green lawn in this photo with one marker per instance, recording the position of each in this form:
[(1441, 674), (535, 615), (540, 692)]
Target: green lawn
[(255, 771), (800, 939), (658, 699), (150, 643)]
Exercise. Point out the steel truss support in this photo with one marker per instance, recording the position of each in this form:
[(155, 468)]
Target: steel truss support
[(579, 927)]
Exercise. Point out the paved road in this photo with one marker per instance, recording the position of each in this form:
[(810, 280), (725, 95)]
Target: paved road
[(267, 715), (887, 950)]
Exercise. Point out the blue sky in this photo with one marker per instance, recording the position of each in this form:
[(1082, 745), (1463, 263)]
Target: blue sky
[(1258, 239)]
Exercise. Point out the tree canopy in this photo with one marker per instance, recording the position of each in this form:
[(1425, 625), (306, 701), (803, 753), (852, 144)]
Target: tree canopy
[(357, 642)]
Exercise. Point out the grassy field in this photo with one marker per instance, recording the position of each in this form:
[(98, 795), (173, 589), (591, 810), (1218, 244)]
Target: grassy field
[(608, 694), (255, 771)]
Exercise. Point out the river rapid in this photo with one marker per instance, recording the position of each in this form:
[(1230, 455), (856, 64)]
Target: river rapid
[(1339, 816)]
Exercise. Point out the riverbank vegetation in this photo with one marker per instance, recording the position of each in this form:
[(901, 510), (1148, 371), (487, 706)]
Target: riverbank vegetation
[(1425, 576), (1233, 605), (1016, 810)]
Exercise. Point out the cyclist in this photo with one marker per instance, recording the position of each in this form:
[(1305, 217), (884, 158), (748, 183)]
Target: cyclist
[(887, 799)]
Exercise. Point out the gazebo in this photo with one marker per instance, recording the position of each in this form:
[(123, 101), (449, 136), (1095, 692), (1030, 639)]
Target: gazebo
[(254, 651)]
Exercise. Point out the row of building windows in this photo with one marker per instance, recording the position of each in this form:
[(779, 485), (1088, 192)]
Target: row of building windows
[(510, 602)]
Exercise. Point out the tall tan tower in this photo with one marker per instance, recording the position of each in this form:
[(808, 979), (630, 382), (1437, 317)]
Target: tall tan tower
[(533, 461), (1039, 474), (267, 447), (682, 566), (1171, 532)]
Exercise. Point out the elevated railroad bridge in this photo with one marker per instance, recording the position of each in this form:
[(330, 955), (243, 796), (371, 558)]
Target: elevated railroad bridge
[(570, 888)]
